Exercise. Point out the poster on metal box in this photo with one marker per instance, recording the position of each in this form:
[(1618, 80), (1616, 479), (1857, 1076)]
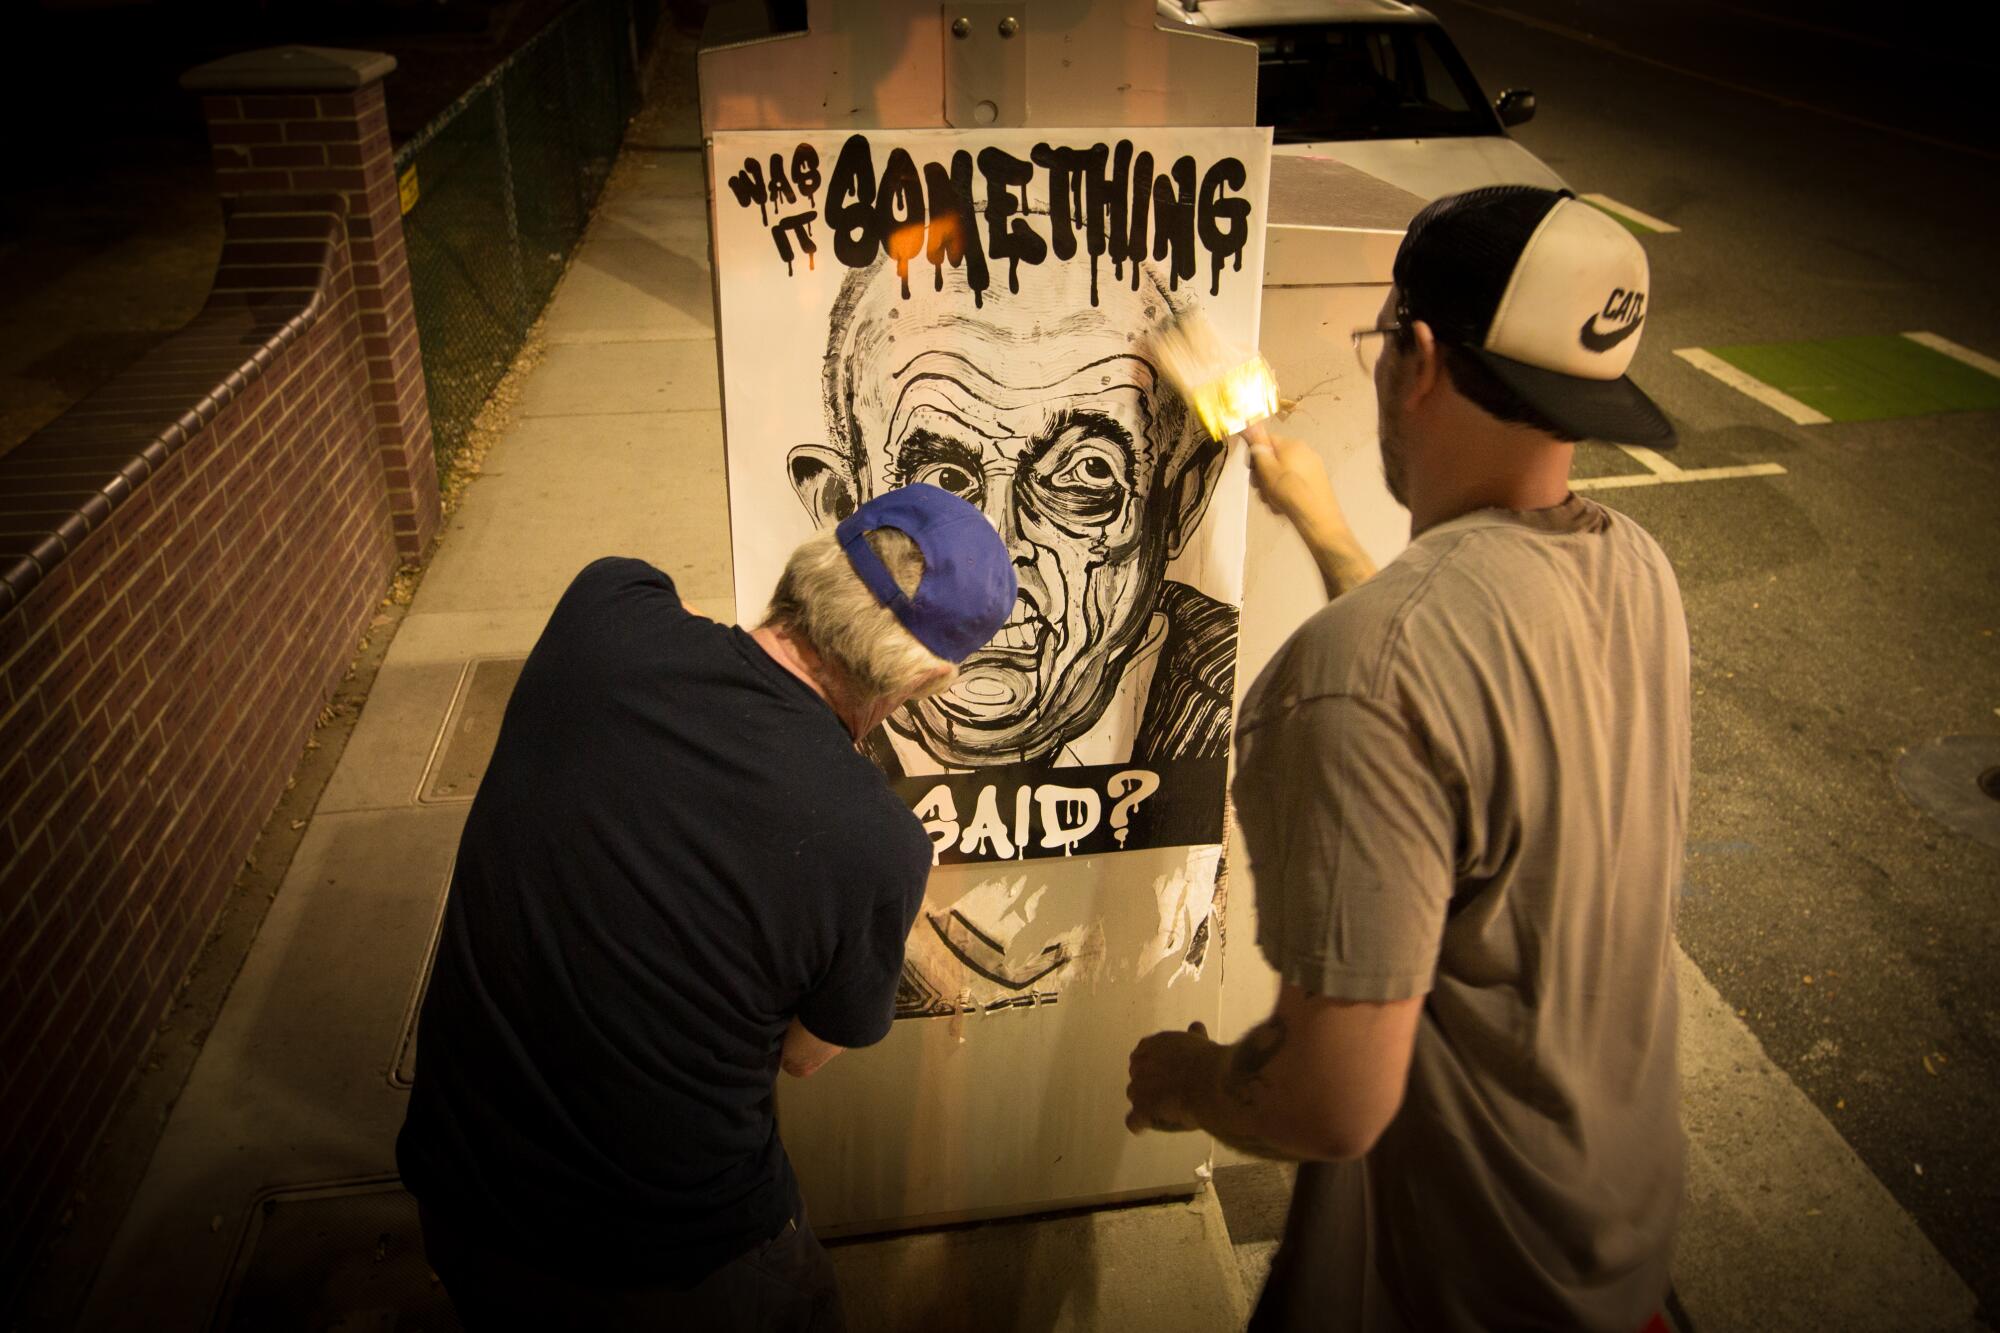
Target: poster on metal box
[(972, 310)]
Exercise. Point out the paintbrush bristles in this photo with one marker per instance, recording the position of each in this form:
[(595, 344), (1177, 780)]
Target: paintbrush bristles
[(1191, 354), (1228, 387)]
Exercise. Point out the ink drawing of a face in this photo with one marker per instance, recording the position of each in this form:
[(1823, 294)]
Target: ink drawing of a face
[(1044, 410)]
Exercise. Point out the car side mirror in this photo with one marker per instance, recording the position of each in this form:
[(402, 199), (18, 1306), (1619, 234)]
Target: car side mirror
[(1516, 106)]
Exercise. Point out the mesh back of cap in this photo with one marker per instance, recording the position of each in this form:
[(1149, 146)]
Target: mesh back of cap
[(1455, 262)]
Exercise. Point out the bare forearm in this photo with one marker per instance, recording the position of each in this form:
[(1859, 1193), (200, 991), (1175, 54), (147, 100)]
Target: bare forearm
[(1317, 1081), (1234, 1103), (1292, 479), (1231, 1126), (1343, 565)]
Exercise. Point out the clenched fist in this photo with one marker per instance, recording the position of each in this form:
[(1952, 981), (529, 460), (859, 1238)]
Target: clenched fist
[(1291, 479), (1168, 1069)]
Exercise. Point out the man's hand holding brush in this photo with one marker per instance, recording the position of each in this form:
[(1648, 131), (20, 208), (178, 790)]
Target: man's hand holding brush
[(1234, 395), (1291, 480)]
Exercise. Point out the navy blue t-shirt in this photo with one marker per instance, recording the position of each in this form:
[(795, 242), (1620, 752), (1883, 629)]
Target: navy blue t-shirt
[(674, 851)]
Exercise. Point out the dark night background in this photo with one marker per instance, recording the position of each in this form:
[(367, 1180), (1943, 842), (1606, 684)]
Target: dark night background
[(1835, 169)]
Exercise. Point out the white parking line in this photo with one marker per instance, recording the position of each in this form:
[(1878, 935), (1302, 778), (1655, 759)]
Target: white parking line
[(1660, 472), (1646, 220), (1780, 402), (1951, 349)]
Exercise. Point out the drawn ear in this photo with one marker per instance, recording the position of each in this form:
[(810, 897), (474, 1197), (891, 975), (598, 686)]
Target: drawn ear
[(824, 482), (1192, 490)]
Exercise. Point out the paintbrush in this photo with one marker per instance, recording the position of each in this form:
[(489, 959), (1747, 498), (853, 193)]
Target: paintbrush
[(1229, 388)]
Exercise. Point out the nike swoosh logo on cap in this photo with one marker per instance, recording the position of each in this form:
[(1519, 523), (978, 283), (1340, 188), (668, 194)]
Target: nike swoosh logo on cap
[(1593, 341)]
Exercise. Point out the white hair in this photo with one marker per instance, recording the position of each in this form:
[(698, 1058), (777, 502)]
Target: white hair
[(823, 601)]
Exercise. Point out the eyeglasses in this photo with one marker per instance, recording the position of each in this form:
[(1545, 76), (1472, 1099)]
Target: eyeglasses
[(1366, 352)]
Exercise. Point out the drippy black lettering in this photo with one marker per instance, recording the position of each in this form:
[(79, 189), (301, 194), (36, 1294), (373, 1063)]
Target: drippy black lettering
[(1100, 200), (850, 204), (781, 189), (1174, 206), (1224, 242), (805, 170), (1107, 204), (1009, 237), (899, 209), (800, 225), (952, 235), (748, 186)]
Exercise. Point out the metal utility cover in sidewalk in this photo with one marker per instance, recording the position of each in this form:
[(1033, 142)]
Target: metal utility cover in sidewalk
[(403, 1069), (471, 727), (346, 1256), (1869, 378)]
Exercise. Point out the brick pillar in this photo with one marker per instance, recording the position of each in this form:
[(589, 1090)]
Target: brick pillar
[(305, 119)]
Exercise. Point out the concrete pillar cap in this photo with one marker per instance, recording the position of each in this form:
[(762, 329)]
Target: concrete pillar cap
[(289, 68)]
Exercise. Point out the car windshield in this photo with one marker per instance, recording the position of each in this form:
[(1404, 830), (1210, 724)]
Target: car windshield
[(1365, 81)]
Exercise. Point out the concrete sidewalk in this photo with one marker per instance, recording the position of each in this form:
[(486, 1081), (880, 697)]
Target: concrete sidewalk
[(271, 1200)]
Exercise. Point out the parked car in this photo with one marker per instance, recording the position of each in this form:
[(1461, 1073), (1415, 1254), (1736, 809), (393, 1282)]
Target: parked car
[(1378, 85)]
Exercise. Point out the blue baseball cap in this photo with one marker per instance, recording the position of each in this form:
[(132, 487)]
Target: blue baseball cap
[(968, 587)]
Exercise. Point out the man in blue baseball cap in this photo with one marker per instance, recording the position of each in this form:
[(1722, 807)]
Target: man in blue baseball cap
[(680, 875)]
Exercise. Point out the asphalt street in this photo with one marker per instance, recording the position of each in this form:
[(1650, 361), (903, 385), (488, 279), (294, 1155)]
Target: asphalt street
[(1849, 608)]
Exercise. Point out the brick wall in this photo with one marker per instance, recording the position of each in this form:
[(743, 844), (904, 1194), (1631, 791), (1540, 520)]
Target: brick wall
[(186, 561), (339, 141)]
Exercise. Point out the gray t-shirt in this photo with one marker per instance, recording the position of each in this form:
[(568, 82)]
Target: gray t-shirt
[(1467, 780)]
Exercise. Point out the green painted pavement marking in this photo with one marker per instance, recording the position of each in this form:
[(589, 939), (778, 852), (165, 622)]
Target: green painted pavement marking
[(1636, 221), (1867, 379), (1627, 223)]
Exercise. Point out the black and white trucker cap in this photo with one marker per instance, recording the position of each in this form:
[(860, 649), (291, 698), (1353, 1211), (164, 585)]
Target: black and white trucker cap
[(1547, 293)]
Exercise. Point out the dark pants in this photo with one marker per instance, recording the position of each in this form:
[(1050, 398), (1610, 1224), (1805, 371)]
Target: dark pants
[(785, 1285)]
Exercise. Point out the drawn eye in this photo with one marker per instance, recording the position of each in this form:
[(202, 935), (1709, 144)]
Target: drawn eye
[(1085, 485), (949, 477), (1088, 472)]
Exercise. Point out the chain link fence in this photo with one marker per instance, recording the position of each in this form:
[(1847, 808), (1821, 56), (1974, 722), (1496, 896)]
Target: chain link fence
[(497, 189)]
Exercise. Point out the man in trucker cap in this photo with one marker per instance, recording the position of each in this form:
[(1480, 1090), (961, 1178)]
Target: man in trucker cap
[(1463, 789), (680, 874)]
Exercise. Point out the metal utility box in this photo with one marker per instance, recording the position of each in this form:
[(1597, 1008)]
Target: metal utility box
[(1002, 1091)]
